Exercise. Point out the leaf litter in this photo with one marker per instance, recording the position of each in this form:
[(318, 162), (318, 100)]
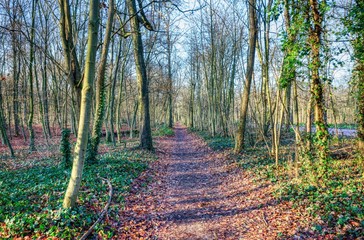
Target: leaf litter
[(192, 192)]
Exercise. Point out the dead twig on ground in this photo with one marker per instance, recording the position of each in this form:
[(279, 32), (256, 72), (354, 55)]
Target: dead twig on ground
[(103, 212), (264, 219)]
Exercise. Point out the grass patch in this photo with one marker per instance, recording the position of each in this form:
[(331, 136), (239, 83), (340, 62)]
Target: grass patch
[(343, 125), (163, 130), (214, 142), (339, 125), (31, 199)]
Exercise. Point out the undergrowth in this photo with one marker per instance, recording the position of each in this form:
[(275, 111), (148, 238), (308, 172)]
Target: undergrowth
[(163, 130), (215, 142), (336, 201), (31, 199), (339, 125)]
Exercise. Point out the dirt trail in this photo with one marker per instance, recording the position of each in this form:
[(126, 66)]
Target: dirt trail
[(197, 194), (192, 194)]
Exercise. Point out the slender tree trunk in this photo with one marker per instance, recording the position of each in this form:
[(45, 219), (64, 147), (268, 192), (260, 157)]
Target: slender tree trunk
[(41, 113), (100, 88), (239, 141), (322, 136), (15, 83), (85, 112), (288, 116), (309, 125), (169, 68), (290, 72), (192, 102), (297, 123), (45, 83), (120, 98), (277, 127), (145, 132), (4, 135), (31, 87), (112, 95), (360, 98), (133, 121)]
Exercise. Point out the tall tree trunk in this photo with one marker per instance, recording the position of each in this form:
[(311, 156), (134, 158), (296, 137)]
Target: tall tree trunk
[(290, 74), (45, 81), (112, 94), (14, 46), (170, 82), (355, 26), (85, 112), (239, 141), (41, 113), (31, 87), (297, 123), (360, 97), (145, 132), (322, 136), (100, 88), (120, 98)]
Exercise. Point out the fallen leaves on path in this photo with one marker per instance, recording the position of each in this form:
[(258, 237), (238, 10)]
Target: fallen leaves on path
[(192, 192)]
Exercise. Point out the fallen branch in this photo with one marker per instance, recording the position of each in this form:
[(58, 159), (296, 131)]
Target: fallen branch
[(265, 220), (341, 149), (104, 211)]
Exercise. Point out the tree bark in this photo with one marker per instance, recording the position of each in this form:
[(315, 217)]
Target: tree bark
[(4, 135), (16, 67), (100, 87), (145, 130), (239, 141), (170, 82), (112, 94), (31, 87), (85, 112), (360, 97), (322, 135), (70, 54)]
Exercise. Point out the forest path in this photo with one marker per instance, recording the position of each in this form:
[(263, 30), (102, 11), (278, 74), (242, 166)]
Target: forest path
[(197, 194)]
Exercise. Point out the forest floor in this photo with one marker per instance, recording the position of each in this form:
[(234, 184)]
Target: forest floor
[(197, 193), (197, 189)]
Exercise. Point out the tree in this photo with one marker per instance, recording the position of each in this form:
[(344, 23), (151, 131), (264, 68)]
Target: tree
[(4, 135), (355, 26), (141, 73), (14, 42), (72, 69), (322, 135), (85, 111), (169, 67), (31, 80), (291, 47), (239, 138), (100, 87)]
